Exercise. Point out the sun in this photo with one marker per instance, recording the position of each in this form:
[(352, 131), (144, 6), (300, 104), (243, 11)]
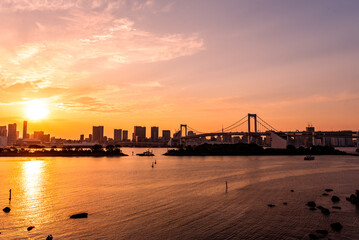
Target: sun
[(36, 109)]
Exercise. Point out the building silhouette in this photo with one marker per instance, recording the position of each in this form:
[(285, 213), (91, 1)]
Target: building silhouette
[(97, 134), (24, 130), (124, 135), (117, 135), (154, 133), (3, 131), (11, 139), (3, 136), (166, 134), (139, 134)]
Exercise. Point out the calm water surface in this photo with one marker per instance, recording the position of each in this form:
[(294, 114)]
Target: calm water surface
[(180, 198)]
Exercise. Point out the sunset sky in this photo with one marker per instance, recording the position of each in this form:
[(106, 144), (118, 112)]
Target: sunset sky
[(121, 63)]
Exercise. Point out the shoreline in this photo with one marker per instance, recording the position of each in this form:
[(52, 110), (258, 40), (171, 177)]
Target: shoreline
[(64, 154), (242, 149)]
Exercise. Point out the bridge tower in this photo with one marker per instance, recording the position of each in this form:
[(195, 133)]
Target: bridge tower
[(183, 126), (254, 116)]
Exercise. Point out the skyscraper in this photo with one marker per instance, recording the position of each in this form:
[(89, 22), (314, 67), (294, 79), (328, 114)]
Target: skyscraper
[(97, 134), (154, 133), (24, 130), (166, 134), (11, 139), (117, 135), (3, 131), (3, 136), (139, 134), (125, 135)]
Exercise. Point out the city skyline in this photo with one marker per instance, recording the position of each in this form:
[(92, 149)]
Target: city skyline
[(76, 64)]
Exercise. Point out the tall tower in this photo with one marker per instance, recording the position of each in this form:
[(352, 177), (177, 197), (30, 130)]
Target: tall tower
[(11, 139), (24, 130), (154, 133), (97, 134), (117, 135)]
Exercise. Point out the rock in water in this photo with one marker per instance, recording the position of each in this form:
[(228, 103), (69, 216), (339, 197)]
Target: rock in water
[(325, 194), (30, 228), (285, 203), (335, 199), (50, 237), (353, 199), (80, 215), (329, 190), (323, 232), (313, 236), (292, 190), (7, 209), (271, 205), (336, 226), (325, 211), (311, 204)]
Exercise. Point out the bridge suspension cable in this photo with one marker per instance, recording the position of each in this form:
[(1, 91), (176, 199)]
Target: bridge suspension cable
[(263, 126), (240, 124), (224, 129), (194, 130), (271, 128)]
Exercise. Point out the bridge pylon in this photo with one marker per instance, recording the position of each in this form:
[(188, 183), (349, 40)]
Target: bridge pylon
[(254, 116)]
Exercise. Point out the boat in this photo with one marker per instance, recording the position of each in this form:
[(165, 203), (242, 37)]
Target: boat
[(309, 157), (147, 153)]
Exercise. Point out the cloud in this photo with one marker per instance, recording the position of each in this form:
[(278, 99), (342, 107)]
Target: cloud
[(51, 49), (55, 5), (85, 39)]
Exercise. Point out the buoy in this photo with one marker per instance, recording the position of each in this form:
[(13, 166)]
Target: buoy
[(226, 186), (155, 161), (152, 165), (10, 195)]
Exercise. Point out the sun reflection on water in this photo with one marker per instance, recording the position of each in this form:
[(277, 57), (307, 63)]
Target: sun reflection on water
[(32, 176), (33, 184)]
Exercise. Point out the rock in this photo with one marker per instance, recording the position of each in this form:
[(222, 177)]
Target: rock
[(336, 207), (285, 203), (336, 226), (7, 209), (335, 199), (323, 232), (319, 207), (328, 190), (79, 215), (325, 194), (292, 190), (325, 211), (353, 199), (311, 204), (312, 209), (271, 205), (313, 236), (30, 228)]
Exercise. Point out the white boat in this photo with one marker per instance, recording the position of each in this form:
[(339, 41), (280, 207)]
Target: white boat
[(147, 153)]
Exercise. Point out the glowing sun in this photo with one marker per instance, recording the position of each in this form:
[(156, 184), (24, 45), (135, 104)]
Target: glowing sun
[(36, 109)]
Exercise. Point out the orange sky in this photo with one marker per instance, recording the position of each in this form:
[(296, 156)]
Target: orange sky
[(122, 63)]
